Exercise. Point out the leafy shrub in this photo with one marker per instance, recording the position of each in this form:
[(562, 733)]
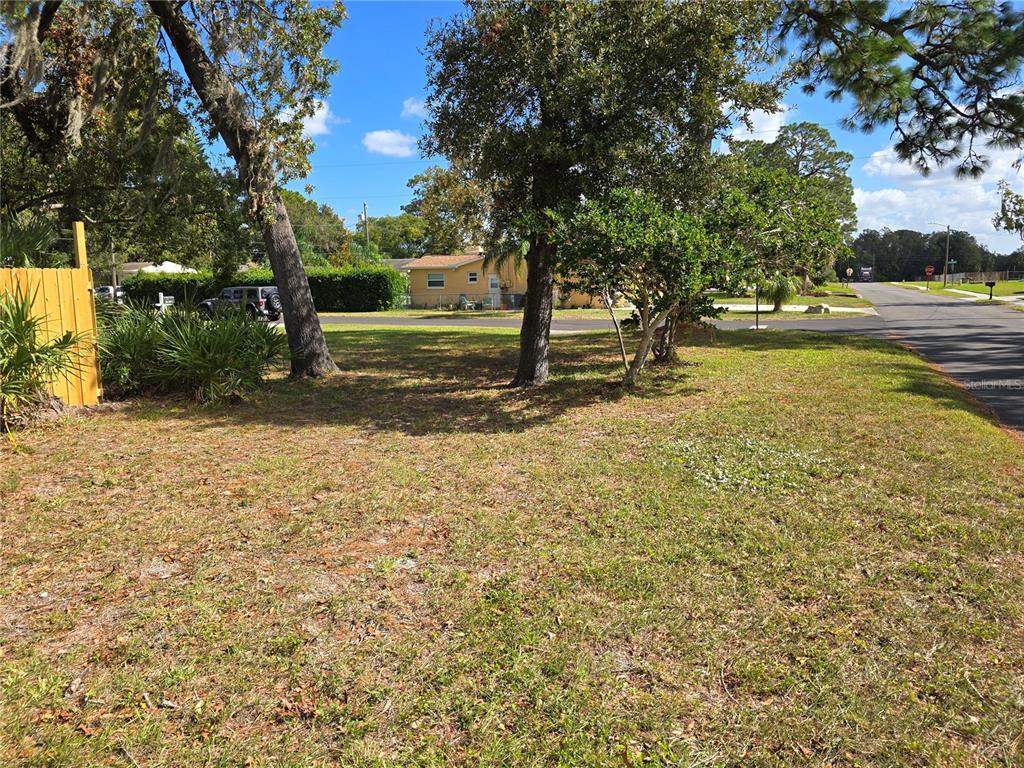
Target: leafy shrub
[(346, 289), (223, 357), (185, 287), (27, 363), (822, 276)]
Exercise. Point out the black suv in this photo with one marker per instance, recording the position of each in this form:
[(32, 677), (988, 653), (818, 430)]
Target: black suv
[(260, 301)]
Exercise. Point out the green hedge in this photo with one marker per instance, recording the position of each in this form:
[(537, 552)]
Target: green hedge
[(348, 289)]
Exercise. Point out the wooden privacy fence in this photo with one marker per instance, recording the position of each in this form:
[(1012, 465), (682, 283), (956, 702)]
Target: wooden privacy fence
[(64, 298)]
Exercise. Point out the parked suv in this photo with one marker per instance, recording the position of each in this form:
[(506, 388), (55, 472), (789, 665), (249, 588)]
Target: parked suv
[(260, 301), (109, 293)]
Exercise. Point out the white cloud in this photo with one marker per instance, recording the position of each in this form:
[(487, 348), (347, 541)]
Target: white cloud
[(928, 203), (413, 107), (320, 122), (390, 143), (764, 126)]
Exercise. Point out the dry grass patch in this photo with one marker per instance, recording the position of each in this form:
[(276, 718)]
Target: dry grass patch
[(803, 550)]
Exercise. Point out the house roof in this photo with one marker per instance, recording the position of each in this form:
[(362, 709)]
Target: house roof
[(444, 262), (399, 264)]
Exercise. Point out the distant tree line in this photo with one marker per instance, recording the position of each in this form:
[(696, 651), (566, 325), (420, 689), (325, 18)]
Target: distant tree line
[(902, 254)]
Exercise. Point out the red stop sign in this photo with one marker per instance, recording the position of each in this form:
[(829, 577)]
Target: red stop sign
[(929, 270)]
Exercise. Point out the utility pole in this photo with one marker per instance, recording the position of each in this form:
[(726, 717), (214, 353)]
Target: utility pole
[(945, 270), (366, 226)]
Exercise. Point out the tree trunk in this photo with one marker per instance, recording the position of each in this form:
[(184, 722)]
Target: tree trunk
[(664, 346), (309, 353), (535, 335), (618, 329), (301, 322), (642, 351), (806, 286)]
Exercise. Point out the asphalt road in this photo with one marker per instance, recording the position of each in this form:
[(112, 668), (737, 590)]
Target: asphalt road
[(980, 346)]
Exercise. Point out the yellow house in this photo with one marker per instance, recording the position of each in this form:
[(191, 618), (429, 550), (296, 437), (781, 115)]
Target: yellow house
[(463, 281)]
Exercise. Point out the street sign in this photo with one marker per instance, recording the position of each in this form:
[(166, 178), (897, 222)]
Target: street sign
[(929, 270)]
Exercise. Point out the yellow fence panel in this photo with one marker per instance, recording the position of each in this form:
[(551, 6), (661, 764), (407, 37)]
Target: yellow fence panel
[(64, 297)]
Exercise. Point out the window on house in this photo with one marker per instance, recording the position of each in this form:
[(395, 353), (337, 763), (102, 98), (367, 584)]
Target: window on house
[(473, 276), (435, 279)]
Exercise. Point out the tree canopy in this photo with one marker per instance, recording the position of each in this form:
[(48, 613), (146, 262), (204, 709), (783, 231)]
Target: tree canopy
[(319, 231), (808, 151), (246, 71), (944, 74), (544, 103), (662, 260), (453, 207), (902, 254)]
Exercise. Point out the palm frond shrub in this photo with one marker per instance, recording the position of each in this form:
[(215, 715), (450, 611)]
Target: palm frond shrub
[(222, 357), (777, 288), (128, 336), (28, 362), (26, 241)]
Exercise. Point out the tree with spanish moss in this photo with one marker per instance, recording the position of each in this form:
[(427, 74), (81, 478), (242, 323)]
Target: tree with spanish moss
[(254, 69)]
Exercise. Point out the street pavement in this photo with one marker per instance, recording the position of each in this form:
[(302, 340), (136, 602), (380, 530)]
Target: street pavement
[(980, 346)]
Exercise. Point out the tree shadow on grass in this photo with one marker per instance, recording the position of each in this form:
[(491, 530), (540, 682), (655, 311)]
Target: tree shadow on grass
[(443, 381), (922, 378), (439, 382)]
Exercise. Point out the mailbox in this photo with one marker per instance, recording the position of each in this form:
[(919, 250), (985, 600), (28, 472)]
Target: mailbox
[(990, 285)]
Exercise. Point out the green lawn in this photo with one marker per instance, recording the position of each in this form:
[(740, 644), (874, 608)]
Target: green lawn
[(796, 550), (837, 295), (1002, 288), (422, 314)]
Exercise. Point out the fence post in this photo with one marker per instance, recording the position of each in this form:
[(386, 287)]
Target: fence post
[(78, 237)]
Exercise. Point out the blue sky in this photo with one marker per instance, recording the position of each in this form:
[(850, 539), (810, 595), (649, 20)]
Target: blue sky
[(366, 135)]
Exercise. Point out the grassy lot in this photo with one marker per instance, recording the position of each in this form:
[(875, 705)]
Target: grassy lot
[(1003, 288), (797, 550), (838, 296), (748, 314), (433, 314)]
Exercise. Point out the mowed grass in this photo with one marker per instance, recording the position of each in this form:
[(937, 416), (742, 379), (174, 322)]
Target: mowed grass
[(796, 550), (1006, 288), (835, 295), (1001, 288), (463, 314)]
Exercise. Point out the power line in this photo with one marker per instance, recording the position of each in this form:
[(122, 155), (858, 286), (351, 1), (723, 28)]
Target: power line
[(378, 163)]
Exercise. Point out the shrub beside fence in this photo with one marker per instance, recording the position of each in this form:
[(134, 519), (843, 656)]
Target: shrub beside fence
[(62, 302), (346, 289)]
